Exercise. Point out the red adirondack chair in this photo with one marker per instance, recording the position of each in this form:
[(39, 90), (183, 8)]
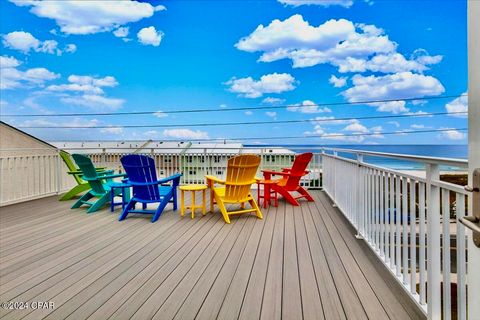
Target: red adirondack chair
[(290, 180)]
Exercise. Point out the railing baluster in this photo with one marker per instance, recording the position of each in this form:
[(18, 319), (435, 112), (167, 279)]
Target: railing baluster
[(398, 218), (447, 314), (382, 217), (461, 263), (421, 255), (413, 239), (433, 243), (391, 217), (405, 230)]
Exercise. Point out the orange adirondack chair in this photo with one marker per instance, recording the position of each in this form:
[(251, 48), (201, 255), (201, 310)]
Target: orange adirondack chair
[(241, 172), (290, 180)]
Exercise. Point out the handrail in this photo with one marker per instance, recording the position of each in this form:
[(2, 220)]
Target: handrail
[(454, 162)]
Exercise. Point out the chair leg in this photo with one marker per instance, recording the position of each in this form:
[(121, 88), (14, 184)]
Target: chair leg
[(99, 203), (305, 193), (182, 203), (212, 199), (130, 206), (254, 205), (223, 210), (162, 206), (288, 197), (174, 198), (74, 191), (82, 200)]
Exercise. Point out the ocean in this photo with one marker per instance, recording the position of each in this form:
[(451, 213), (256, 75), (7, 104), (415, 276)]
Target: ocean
[(444, 151)]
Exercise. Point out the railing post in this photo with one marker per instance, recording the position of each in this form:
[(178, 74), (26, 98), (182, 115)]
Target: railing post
[(359, 210), (433, 243), (322, 178), (334, 180), (59, 173), (205, 164), (104, 157)]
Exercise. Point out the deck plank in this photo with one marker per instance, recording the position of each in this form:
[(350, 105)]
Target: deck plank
[(388, 292), (297, 263), (312, 307), (272, 294), (291, 296)]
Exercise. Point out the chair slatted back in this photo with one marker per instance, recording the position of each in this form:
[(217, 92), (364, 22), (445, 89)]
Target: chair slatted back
[(241, 171), (70, 165), (89, 172), (141, 169), (297, 171)]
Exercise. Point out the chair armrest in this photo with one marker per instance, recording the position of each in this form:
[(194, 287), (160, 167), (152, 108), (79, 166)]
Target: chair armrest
[(212, 179), (102, 177), (101, 170), (275, 173), (158, 182)]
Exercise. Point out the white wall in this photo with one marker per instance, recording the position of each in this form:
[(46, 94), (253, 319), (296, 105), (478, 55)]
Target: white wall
[(474, 143)]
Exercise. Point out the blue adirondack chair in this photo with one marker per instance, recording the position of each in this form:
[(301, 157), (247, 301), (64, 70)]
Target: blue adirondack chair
[(146, 188), (99, 183)]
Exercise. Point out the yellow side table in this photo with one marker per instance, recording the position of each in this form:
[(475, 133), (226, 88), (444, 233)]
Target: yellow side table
[(192, 188)]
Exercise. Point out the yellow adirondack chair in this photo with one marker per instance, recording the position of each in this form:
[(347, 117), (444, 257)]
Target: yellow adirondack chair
[(241, 172)]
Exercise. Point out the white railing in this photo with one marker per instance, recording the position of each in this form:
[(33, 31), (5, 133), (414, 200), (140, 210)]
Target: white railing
[(27, 177), (409, 222), (197, 163)]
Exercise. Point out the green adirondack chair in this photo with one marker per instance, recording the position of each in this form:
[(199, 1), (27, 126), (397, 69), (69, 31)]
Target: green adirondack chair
[(82, 185), (99, 183)]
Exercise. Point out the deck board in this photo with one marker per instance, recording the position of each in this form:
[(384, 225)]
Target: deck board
[(298, 263)]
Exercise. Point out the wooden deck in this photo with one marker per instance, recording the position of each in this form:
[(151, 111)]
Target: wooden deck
[(299, 262)]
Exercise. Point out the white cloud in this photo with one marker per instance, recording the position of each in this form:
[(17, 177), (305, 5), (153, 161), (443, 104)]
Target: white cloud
[(338, 82), (26, 42), (8, 62), (70, 48), (185, 134), (356, 127), (417, 126), (270, 83), (21, 41), (271, 114), (87, 17), (112, 130), (390, 106), (121, 32), (248, 113), (452, 134), (160, 114), (75, 122), (11, 77), (223, 106), (86, 84), (325, 3), (341, 43), (420, 113), (272, 100), (150, 36), (308, 106), (395, 123), (94, 101), (459, 104), (394, 86)]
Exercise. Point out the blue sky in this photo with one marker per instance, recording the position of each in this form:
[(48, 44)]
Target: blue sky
[(94, 56)]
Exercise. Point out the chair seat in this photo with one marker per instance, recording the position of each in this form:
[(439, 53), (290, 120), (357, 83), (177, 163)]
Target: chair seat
[(193, 187), (221, 193)]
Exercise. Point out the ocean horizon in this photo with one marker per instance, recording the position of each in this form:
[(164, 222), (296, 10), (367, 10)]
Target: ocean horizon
[(429, 150)]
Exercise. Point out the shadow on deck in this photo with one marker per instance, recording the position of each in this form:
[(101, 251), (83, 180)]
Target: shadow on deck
[(299, 262)]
